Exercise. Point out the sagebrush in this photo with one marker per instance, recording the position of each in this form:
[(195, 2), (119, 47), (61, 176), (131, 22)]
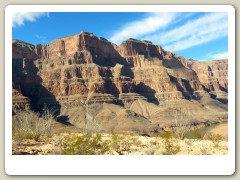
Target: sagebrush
[(84, 144), (32, 125), (215, 138), (181, 125), (124, 142), (170, 144)]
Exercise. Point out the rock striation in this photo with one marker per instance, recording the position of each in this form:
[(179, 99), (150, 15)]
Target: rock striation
[(212, 74), (84, 65), (84, 69)]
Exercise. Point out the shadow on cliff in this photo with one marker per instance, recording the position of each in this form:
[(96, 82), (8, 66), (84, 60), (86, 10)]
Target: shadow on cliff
[(110, 60), (31, 86), (223, 89), (188, 93), (175, 81), (147, 92), (111, 88)]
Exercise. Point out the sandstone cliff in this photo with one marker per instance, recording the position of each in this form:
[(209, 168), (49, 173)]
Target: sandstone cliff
[(83, 69), (212, 74)]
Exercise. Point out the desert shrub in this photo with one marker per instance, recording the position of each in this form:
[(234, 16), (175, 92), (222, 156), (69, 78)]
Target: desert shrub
[(180, 126), (197, 134), (171, 147), (91, 124), (188, 142), (180, 132), (31, 125), (115, 141), (154, 150), (215, 138), (124, 142), (84, 144), (159, 151), (62, 130), (166, 134), (153, 142), (150, 150), (170, 143)]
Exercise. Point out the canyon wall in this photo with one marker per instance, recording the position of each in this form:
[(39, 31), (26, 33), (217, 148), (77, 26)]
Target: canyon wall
[(83, 68)]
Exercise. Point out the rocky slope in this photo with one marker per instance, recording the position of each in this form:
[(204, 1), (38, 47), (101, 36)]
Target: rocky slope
[(77, 72)]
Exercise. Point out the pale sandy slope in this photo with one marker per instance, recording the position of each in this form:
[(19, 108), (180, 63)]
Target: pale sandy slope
[(221, 130)]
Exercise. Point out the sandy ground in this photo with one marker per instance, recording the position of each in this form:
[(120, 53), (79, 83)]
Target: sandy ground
[(221, 130), (133, 145)]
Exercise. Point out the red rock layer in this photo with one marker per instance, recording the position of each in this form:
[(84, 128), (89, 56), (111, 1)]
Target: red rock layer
[(84, 67)]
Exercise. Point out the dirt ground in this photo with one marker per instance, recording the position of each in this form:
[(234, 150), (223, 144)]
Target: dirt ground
[(144, 146), (221, 130)]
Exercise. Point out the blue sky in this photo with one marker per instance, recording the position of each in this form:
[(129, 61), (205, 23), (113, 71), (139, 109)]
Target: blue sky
[(201, 36)]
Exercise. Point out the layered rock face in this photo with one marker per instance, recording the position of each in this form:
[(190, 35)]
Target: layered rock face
[(84, 65), (212, 74), (88, 67), (84, 69)]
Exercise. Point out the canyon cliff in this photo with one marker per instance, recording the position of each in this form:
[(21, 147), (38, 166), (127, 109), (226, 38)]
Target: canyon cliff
[(132, 86)]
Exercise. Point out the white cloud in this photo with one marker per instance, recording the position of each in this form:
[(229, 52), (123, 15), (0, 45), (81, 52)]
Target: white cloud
[(223, 55), (202, 30), (164, 29), (18, 18), (150, 24), (194, 40)]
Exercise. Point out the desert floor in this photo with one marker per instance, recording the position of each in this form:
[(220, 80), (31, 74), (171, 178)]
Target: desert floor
[(213, 143)]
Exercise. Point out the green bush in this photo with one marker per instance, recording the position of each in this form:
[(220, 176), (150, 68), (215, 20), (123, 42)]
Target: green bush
[(85, 144), (197, 134), (166, 134), (171, 147), (124, 142), (170, 143), (215, 138)]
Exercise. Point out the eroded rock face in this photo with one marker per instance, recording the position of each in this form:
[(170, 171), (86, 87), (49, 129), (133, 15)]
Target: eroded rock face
[(85, 65), (19, 101), (212, 74), (83, 69)]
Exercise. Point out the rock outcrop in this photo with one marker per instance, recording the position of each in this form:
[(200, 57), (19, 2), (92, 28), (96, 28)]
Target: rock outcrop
[(83, 69), (212, 74)]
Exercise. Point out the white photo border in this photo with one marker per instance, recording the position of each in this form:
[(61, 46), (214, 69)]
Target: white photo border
[(110, 164)]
